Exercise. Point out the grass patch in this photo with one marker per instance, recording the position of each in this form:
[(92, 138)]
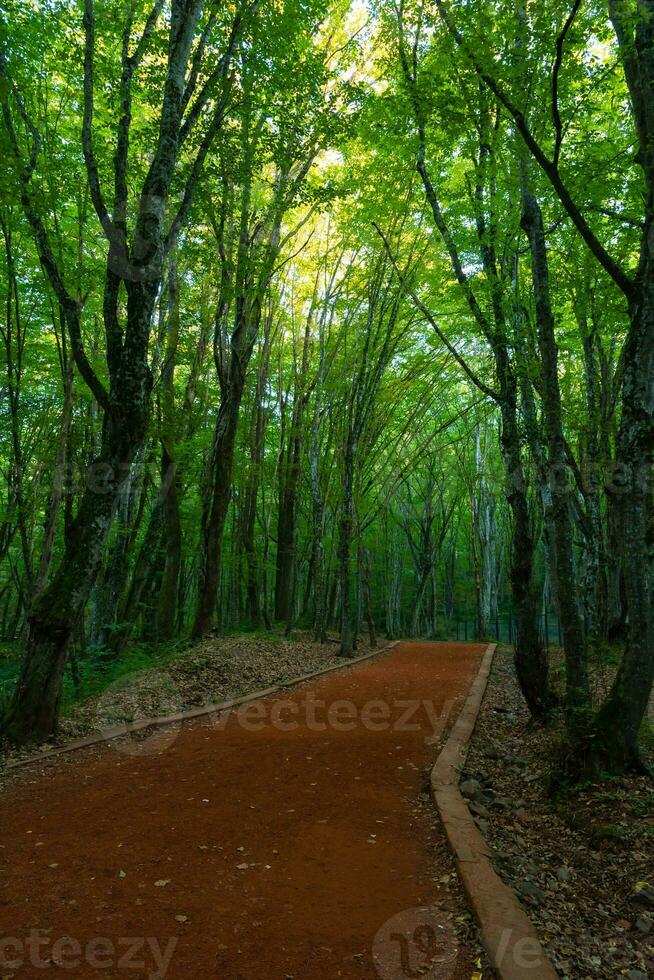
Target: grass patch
[(96, 672), (602, 654)]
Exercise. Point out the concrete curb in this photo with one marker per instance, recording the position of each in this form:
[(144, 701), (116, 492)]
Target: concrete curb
[(507, 933), (123, 731)]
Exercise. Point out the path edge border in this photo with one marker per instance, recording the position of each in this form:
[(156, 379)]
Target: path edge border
[(507, 934), (179, 718)]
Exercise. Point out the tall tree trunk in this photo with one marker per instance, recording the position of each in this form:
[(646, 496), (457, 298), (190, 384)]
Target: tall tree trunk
[(317, 505), (256, 445), (289, 479), (34, 710), (538, 452), (617, 727), (219, 491), (364, 563), (594, 584), (130, 602), (58, 486), (166, 615), (531, 659), (346, 524), (424, 576), (109, 589), (577, 688), (285, 548), (218, 488), (250, 548), (393, 563), (483, 542)]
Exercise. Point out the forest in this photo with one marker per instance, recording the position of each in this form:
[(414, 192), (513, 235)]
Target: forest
[(333, 317)]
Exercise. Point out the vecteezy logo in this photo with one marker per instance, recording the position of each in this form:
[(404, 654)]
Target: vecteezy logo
[(415, 945), (130, 701)]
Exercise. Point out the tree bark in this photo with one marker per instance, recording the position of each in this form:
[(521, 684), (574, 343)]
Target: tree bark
[(577, 687), (34, 710), (55, 614), (617, 727), (288, 488), (346, 524), (166, 615), (218, 489)]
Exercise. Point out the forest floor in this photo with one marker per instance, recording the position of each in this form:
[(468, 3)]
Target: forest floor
[(288, 839), (575, 860), (178, 679)]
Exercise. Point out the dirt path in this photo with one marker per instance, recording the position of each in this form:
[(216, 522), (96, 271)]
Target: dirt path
[(275, 843)]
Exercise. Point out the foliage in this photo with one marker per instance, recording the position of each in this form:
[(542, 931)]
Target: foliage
[(369, 330)]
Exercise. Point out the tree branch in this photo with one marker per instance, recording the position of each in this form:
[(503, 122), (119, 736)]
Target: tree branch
[(556, 70), (410, 78), (476, 380), (196, 63), (549, 168), (222, 70), (130, 63), (68, 305), (150, 24), (196, 169), (87, 124)]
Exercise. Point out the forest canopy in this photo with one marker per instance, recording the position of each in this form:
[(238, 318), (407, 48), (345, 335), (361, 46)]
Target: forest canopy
[(335, 317)]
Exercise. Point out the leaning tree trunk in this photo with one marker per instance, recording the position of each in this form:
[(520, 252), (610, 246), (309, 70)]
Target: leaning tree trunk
[(58, 489), (34, 710)]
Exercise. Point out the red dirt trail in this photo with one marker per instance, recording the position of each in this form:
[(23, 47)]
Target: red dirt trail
[(325, 819)]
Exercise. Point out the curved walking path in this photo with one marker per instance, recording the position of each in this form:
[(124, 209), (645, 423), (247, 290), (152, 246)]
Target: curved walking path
[(272, 843)]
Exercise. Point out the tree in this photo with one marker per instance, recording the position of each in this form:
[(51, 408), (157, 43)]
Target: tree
[(133, 273), (612, 740)]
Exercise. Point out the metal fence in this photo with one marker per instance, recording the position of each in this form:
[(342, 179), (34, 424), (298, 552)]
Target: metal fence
[(502, 628)]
